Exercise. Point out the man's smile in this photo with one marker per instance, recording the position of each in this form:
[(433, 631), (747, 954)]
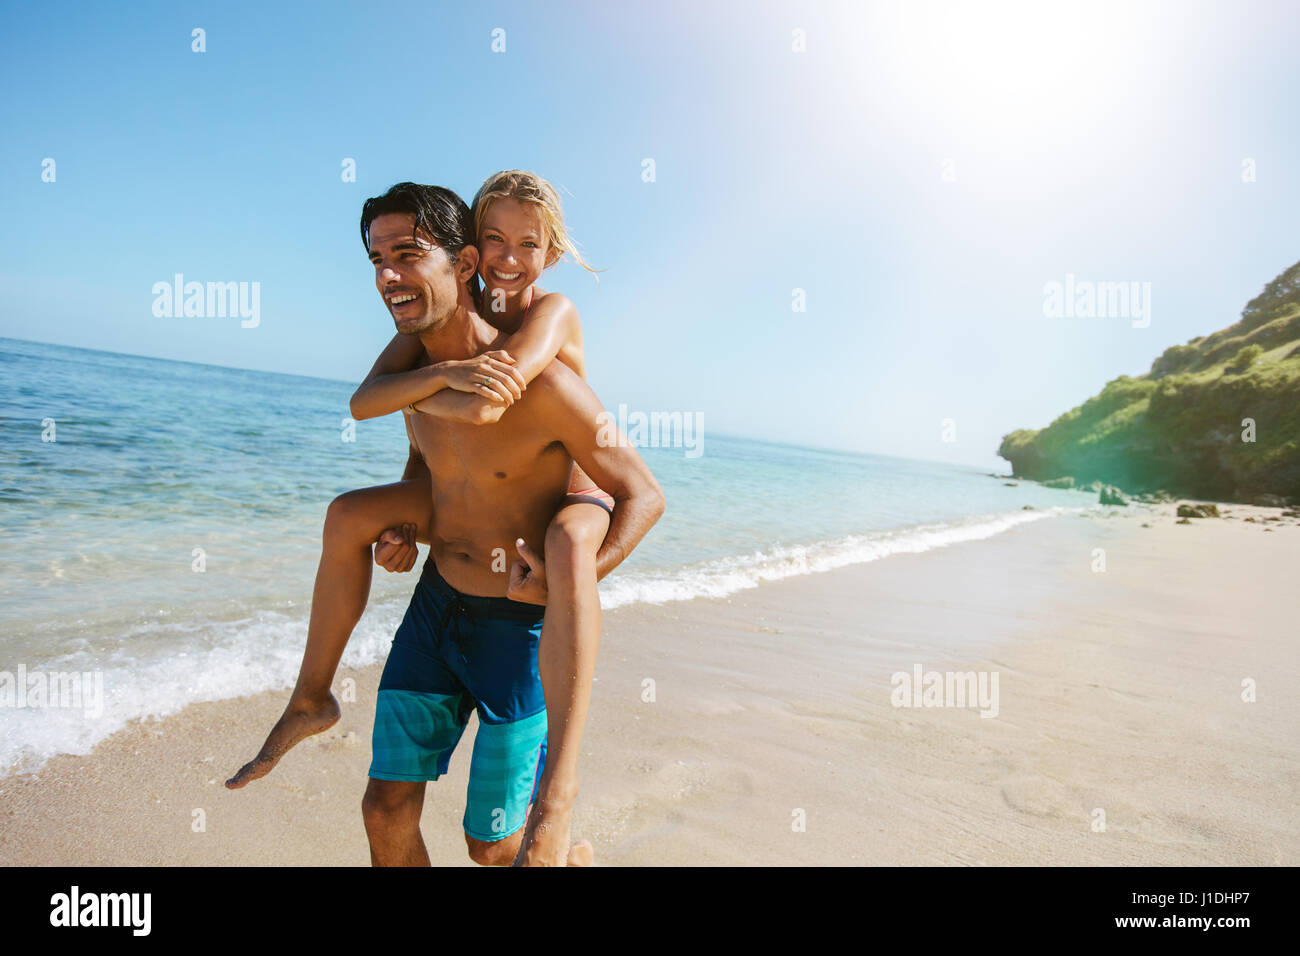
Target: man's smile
[(398, 299)]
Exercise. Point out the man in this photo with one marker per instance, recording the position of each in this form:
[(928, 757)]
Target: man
[(463, 644)]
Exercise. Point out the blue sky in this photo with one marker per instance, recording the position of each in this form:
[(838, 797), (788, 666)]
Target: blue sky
[(919, 170)]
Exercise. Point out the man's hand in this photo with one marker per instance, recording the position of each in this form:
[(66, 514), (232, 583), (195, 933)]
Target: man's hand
[(492, 374), (396, 550), (527, 576)]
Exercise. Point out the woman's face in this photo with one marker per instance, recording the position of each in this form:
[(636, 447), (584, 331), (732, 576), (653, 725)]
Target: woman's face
[(512, 247)]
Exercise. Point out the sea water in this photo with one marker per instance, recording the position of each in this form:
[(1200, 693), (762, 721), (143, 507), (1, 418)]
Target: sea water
[(160, 527)]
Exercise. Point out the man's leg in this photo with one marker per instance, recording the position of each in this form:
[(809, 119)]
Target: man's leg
[(500, 853), (502, 776), (391, 809), (352, 523), (414, 735), (566, 660)]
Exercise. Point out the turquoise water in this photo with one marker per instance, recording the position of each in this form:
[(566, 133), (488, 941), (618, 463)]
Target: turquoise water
[(153, 459)]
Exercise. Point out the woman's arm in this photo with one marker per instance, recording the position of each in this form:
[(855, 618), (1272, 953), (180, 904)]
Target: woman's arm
[(552, 321), (398, 378), (395, 380)]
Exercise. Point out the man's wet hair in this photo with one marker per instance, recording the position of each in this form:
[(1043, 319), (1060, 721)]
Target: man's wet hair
[(438, 211)]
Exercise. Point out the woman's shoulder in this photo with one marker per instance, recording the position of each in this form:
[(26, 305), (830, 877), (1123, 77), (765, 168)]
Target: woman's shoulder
[(552, 299)]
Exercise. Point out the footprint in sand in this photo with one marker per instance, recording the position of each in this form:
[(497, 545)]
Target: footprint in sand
[(1041, 797)]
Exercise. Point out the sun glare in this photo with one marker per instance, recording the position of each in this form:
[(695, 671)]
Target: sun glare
[(1007, 68)]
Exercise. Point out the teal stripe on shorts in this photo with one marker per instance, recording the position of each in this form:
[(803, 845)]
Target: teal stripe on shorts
[(501, 776), (415, 734)]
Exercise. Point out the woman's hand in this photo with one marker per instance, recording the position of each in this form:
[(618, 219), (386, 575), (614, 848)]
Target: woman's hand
[(492, 375)]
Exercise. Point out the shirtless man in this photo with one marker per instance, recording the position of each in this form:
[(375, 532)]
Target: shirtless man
[(463, 644)]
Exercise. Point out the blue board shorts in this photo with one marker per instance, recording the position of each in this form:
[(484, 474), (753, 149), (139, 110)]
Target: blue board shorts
[(455, 653)]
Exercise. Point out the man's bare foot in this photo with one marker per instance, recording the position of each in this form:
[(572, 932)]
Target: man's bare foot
[(297, 722), (546, 842)]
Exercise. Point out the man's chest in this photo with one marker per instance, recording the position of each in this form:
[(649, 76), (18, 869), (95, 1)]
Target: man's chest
[(508, 449)]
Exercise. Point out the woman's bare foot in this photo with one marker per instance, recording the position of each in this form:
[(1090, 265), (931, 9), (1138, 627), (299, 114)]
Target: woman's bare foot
[(581, 854), (299, 720), (546, 841)]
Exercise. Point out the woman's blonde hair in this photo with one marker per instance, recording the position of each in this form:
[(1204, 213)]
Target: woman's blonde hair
[(522, 186)]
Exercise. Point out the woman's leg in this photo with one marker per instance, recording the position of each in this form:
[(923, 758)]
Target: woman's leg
[(566, 661), (352, 523)]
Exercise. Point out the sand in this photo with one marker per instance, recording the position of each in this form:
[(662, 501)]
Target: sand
[(768, 735)]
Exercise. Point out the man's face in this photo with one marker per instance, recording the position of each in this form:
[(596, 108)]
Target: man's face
[(413, 274)]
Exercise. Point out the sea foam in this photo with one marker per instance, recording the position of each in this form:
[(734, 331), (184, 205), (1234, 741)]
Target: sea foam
[(721, 577)]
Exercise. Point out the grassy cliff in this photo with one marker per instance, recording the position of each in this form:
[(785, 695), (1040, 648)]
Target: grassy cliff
[(1179, 427)]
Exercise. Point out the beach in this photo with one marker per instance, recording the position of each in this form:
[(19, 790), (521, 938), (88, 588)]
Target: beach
[(760, 728), (945, 395)]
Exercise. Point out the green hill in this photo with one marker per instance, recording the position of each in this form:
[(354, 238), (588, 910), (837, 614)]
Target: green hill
[(1179, 427)]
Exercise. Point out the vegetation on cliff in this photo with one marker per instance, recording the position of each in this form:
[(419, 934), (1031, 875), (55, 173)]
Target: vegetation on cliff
[(1216, 418)]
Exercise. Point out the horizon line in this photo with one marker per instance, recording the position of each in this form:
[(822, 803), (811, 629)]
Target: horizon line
[(339, 381)]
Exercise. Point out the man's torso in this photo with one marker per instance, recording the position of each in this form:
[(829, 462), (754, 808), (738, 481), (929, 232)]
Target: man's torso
[(491, 484)]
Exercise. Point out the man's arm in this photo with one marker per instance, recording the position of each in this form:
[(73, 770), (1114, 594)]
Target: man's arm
[(605, 454), (397, 549), (416, 467)]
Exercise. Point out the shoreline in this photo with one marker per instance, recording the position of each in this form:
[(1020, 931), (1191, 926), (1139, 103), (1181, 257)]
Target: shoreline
[(258, 647), (1119, 691)]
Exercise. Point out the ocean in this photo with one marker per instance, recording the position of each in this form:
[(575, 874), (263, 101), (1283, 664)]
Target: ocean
[(160, 527)]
